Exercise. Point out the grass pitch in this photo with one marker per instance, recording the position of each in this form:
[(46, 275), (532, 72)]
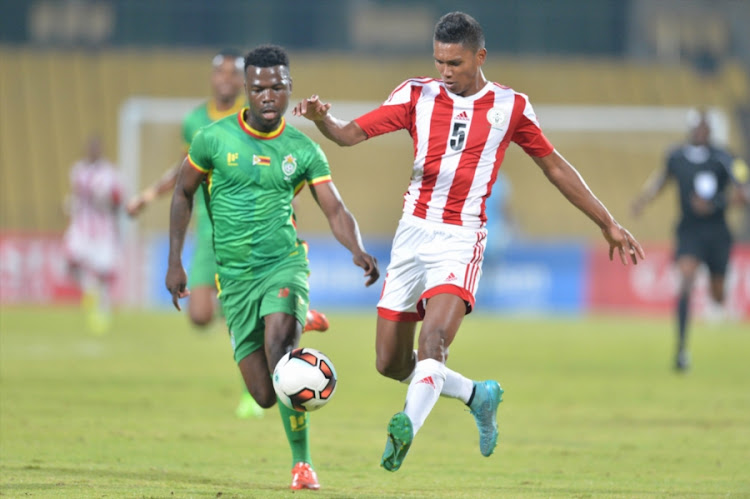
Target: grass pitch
[(592, 409)]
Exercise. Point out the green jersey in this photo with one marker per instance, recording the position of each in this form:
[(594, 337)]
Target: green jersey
[(252, 179), (201, 116)]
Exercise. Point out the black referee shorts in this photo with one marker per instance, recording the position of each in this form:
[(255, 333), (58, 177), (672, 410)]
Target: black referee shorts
[(710, 245)]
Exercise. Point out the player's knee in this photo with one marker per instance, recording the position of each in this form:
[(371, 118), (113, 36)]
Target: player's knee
[(433, 346), (392, 367), (264, 396), (685, 285), (267, 401), (200, 320)]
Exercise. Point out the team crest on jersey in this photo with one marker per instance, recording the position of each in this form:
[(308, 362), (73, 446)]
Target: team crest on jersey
[(496, 117), (289, 165)]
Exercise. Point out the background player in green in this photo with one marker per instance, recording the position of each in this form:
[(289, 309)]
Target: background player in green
[(253, 164), (227, 82)]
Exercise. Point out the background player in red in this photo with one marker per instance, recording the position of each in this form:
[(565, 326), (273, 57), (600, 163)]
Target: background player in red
[(92, 239), (704, 175), (461, 125)]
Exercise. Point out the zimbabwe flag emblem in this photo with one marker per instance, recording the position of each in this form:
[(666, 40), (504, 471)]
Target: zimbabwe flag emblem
[(261, 160)]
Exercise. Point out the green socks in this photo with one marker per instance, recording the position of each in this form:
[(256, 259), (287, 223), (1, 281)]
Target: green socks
[(296, 426)]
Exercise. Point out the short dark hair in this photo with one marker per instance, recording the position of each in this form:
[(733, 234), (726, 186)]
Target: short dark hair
[(459, 27), (267, 56)]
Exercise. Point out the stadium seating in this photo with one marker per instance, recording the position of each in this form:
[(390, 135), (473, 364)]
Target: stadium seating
[(53, 99)]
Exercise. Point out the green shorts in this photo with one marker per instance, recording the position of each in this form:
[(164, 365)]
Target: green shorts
[(203, 266), (247, 302)]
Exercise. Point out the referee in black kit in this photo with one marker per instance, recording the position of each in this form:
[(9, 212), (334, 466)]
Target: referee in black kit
[(709, 178)]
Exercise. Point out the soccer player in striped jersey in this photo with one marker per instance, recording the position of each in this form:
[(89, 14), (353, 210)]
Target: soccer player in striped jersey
[(253, 163), (92, 238), (708, 179), (461, 125), (227, 81)]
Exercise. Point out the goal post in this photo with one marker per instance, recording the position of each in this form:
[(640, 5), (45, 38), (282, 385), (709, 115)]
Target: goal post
[(138, 112), (606, 143)]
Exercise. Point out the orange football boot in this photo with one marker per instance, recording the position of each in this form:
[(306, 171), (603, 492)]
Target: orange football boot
[(304, 477), (315, 321)]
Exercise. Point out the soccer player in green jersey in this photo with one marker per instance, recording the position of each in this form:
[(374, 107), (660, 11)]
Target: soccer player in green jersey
[(253, 163), (227, 81)]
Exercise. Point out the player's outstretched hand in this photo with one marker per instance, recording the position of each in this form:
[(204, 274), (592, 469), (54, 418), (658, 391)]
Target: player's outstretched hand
[(370, 264), (313, 109), (139, 202), (135, 206), (619, 238), (176, 282)]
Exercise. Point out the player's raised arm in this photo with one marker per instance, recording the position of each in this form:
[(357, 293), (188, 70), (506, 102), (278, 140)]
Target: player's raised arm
[(345, 229), (343, 133), (570, 183), (165, 184), (188, 181)]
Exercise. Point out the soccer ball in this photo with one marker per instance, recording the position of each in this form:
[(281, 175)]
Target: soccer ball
[(304, 379)]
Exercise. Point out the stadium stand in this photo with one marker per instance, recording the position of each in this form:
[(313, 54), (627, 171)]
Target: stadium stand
[(41, 134)]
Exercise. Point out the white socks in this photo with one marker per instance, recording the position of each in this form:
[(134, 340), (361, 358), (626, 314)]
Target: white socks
[(456, 385), (425, 387)]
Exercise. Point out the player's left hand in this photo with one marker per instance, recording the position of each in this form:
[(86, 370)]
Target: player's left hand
[(313, 109), (619, 238), (135, 206), (176, 282), (370, 264)]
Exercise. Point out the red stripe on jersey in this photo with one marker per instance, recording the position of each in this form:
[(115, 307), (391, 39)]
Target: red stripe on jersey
[(416, 92), (519, 104), (528, 135), (472, 269), (440, 124), (467, 165)]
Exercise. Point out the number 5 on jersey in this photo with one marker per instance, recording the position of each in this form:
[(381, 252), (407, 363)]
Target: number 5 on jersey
[(458, 135)]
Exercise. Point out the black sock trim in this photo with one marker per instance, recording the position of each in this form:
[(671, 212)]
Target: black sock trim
[(473, 391)]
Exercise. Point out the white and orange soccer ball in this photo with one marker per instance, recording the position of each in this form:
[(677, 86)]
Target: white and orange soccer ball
[(304, 379)]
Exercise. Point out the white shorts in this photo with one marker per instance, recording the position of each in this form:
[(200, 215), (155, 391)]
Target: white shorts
[(428, 259), (96, 255)]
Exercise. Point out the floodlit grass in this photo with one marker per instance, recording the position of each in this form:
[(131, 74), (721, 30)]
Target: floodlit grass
[(592, 409)]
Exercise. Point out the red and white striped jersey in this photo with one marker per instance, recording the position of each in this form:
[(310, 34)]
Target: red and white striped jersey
[(459, 144), (97, 195)]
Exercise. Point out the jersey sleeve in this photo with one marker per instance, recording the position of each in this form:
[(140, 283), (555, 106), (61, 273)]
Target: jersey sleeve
[(740, 171), (318, 171), (187, 132), (528, 134), (200, 154), (736, 168), (670, 162), (396, 113)]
